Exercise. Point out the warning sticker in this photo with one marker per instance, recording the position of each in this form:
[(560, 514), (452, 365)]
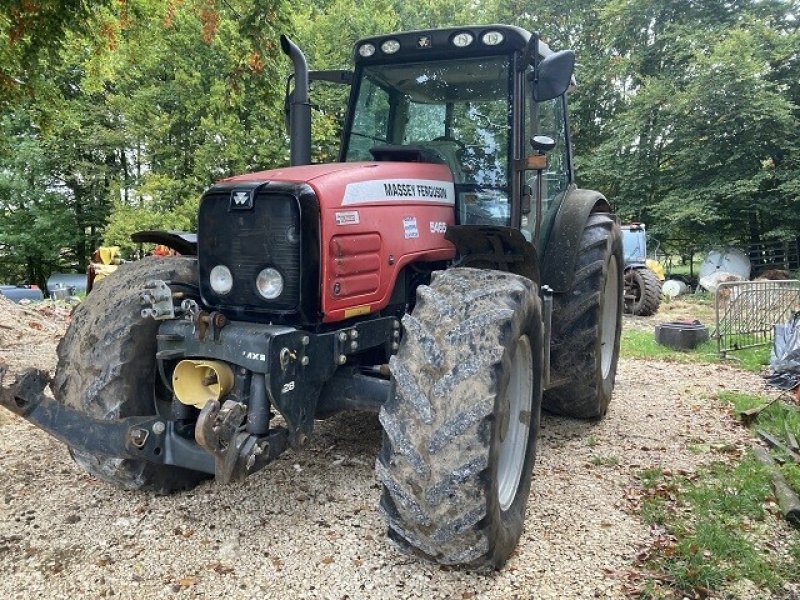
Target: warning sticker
[(348, 217), (410, 228)]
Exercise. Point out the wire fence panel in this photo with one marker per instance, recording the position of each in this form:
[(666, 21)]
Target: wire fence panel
[(747, 312)]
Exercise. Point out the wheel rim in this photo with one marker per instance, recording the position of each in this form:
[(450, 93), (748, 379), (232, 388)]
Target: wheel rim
[(608, 325), (514, 442), (632, 283)]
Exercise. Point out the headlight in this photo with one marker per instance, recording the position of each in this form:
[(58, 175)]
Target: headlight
[(221, 279), (366, 50), (462, 40), (492, 38), (390, 46), (269, 283)]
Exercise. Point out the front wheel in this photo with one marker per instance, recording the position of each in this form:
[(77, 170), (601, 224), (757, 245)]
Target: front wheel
[(107, 368), (460, 430)]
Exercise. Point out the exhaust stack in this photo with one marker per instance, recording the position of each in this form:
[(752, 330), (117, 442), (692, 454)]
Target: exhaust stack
[(299, 107)]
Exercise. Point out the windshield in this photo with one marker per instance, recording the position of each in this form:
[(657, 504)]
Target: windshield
[(457, 110), (634, 245)]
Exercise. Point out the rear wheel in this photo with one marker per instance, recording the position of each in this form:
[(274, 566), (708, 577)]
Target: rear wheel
[(587, 322), (460, 430), (107, 368), (642, 292)]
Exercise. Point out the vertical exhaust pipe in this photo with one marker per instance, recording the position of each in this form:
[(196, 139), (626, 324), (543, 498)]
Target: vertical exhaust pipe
[(299, 107)]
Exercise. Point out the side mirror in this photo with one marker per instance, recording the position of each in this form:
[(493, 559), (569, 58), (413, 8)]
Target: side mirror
[(553, 75)]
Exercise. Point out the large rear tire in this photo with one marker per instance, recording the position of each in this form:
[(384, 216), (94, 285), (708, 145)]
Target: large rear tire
[(460, 430), (587, 323), (107, 368), (642, 292)]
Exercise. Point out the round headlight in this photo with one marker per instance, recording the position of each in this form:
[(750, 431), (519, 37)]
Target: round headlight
[(221, 279), (269, 283), (462, 40), (492, 38), (390, 46), (366, 50)]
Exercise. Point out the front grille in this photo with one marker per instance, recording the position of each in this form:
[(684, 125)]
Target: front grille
[(247, 241)]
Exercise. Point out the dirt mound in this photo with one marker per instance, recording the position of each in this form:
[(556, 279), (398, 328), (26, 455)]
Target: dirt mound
[(29, 333)]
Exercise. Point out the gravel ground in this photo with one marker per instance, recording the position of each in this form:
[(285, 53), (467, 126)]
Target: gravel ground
[(307, 526)]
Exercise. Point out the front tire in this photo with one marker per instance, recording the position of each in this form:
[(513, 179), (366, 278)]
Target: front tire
[(587, 323), (460, 430), (107, 368)]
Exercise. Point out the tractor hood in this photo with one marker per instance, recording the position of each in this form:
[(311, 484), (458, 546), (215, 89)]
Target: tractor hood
[(365, 183), (374, 219)]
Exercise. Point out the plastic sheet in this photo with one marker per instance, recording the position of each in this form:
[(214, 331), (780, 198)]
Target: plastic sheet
[(785, 359)]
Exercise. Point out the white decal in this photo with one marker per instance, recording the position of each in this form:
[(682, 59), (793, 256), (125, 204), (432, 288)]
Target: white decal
[(398, 190), (254, 356), (287, 387), (438, 226), (410, 228), (348, 217)]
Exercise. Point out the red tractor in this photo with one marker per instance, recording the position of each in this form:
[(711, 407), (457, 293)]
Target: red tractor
[(446, 272)]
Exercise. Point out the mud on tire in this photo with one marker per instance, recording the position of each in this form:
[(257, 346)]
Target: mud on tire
[(107, 368), (586, 326), (444, 423)]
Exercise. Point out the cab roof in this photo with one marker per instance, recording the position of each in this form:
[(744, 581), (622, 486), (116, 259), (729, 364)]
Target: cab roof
[(429, 44)]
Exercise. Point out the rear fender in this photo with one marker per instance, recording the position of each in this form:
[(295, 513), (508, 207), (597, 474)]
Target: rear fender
[(494, 247), (558, 264), (635, 265)]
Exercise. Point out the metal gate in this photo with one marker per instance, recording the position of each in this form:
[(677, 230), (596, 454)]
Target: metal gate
[(747, 312)]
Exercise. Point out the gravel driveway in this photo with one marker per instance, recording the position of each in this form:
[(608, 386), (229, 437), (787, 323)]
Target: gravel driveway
[(307, 526)]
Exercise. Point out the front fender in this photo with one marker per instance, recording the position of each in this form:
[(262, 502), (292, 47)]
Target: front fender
[(494, 247), (558, 262), (183, 242)]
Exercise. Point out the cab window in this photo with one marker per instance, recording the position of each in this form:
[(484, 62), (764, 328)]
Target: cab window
[(457, 111)]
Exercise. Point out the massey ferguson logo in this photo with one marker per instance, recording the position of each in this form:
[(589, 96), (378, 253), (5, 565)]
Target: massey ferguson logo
[(241, 200)]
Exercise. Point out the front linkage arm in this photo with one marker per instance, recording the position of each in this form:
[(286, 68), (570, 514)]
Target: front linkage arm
[(144, 438)]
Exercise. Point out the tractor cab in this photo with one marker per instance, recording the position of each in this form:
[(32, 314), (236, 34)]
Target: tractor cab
[(634, 243), (487, 102)]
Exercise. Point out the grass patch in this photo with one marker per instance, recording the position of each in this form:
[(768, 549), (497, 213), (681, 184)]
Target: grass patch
[(713, 529), (775, 420), (605, 461), (642, 345)]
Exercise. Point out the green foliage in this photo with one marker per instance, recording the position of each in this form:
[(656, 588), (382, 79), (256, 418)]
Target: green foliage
[(703, 144), (31, 35), (138, 110), (776, 419), (717, 529), (642, 345)]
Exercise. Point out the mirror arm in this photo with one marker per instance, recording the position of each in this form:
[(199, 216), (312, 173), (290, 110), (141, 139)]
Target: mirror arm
[(534, 59), (335, 76)]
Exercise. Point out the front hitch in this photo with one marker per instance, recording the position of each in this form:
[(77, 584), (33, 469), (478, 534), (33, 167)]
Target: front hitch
[(236, 453)]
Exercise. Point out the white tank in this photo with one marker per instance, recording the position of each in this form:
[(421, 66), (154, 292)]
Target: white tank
[(726, 260), (673, 288)]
